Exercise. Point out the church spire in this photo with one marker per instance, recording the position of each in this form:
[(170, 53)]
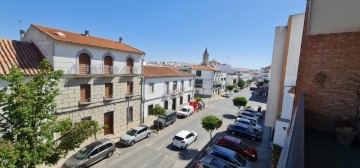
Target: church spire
[(205, 58)]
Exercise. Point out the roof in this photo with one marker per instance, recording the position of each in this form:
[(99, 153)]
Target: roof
[(183, 133), (226, 69), (158, 72), (203, 67), (24, 55), (206, 52), (75, 38)]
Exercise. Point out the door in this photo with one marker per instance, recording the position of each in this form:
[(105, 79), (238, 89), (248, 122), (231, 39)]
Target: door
[(84, 64), (166, 104), (181, 100), (108, 65), (189, 98), (93, 157), (130, 66), (174, 104), (109, 121)]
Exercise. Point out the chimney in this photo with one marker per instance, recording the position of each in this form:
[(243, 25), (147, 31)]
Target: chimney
[(22, 34), (86, 32), (120, 40)]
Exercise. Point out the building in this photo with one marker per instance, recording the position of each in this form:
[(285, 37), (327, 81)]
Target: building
[(102, 78), (207, 78), (166, 86), (265, 72), (232, 77), (285, 62)]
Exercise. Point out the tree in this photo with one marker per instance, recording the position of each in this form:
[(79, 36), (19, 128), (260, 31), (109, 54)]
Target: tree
[(198, 99), (157, 111), (241, 83), (239, 101), (249, 82), (28, 124), (230, 87), (260, 84), (266, 81), (210, 123)]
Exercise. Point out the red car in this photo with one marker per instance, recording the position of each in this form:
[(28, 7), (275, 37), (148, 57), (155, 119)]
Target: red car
[(237, 145)]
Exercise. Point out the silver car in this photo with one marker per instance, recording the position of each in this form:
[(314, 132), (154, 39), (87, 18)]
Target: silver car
[(90, 154), (135, 134)]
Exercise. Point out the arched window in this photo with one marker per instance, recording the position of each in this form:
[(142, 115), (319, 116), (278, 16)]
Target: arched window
[(108, 65), (130, 66), (84, 64)]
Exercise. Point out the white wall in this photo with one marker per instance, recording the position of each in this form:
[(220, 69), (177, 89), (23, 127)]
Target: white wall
[(158, 96), (334, 16), (208, 80), (280, 132), (65, 56), (230, 79), (276, 68)]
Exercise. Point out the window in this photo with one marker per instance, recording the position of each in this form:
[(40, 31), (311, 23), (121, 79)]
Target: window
[(189, 98), (94, 152), (234, 81), (151, 87), (86, 118), (130, 114), (166, 88), (198, 83), (130, 66), (108, 145), (84, 63), (108, 65), (85, 93), (182, 86), (130, 88), (198, 73), (190, 82), (174, 85), (108, 90), (181, 100), (150, 107), (166, 103), (102, 148)]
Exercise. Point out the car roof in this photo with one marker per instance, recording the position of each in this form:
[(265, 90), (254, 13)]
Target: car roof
[(221, 149), (183, 133), (98, 142), (242, 119), (187, 107), (232, 139), (140, 127), (213, 161), (240, 125), (169, 112)]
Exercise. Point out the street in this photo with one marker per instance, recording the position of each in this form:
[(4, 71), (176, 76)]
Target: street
[(157, 150)]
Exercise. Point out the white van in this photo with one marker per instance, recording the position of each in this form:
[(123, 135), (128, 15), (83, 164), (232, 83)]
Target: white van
[(185, 111)]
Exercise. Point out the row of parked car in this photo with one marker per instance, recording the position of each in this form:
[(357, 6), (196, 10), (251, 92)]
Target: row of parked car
[(230, 150)]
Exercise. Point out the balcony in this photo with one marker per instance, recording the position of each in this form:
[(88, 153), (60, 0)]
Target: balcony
[(85, 101), (95, 70), (130, 94), (108, 98), (198, 85)]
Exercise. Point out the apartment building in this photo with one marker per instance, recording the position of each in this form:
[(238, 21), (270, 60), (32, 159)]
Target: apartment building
[(102, 78), (166, 86)]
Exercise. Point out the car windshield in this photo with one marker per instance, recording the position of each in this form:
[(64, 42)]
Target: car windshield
[(178, 138), (131, 132), (184, 109), (244, 145), (82, 153), (162, 116), (240, 159)]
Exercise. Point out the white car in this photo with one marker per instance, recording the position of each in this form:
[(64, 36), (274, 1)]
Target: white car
[(184, 138), (227, 95), (246, 121), (185, 111), (244, 114)]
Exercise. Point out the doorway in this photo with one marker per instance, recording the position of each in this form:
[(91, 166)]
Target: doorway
[(109, 122), (174, 104)]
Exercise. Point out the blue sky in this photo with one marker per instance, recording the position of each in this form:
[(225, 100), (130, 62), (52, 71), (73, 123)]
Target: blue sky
[(236, 32)]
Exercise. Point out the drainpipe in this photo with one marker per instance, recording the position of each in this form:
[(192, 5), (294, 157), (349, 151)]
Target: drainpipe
[(142, 92)]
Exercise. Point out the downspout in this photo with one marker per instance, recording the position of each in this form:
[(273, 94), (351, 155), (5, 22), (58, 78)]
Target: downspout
[(142, 92)]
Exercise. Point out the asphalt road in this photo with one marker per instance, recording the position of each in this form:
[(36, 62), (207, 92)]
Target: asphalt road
[(157, 151)]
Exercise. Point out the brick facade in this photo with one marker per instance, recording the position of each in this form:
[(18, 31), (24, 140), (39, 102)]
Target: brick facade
[(338, 57)]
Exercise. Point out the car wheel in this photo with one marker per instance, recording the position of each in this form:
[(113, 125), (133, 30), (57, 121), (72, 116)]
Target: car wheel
[(148, 135), (195, 138), (82, 166), (232, 132), (110, 154), (132, 143)]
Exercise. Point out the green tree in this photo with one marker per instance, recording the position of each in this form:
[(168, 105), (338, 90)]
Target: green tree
[(198, 99), (210, 123), (239, 101), (248, 82), (266, 81), (260, 84), (157, 111), (28, 124), (241, 83), (230, 87)]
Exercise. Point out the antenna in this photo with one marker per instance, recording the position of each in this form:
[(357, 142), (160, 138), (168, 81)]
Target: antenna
[(20, 21)]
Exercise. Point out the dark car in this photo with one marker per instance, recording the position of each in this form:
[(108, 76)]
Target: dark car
[(238, 146), (244, 131), (165, 120)]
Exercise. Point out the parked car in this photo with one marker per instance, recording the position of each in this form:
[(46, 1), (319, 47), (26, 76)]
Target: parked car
[(166, 120), (244, 114), (229, 156), (213, 162), (252, 119), (244, 131), (184, 138), (90, 154), (185, 111), (253, 88), (238, 146), (135, 134), (258, 114), (227, 95), (248, 122)]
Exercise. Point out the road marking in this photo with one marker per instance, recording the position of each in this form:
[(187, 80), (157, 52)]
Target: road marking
[(145, 165), (157, 156)]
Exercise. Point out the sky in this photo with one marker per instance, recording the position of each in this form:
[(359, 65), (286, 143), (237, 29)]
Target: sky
[(235, 32)]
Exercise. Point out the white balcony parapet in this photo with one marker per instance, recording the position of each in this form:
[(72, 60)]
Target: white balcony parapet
[(99, 70)]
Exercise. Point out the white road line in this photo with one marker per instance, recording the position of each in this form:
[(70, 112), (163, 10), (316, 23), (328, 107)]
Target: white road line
[(157, 156), (145, 165)]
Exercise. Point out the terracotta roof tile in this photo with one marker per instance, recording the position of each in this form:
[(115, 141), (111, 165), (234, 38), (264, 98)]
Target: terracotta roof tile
[(24, 55), (204, 67), (155, 71), (76, 38)]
